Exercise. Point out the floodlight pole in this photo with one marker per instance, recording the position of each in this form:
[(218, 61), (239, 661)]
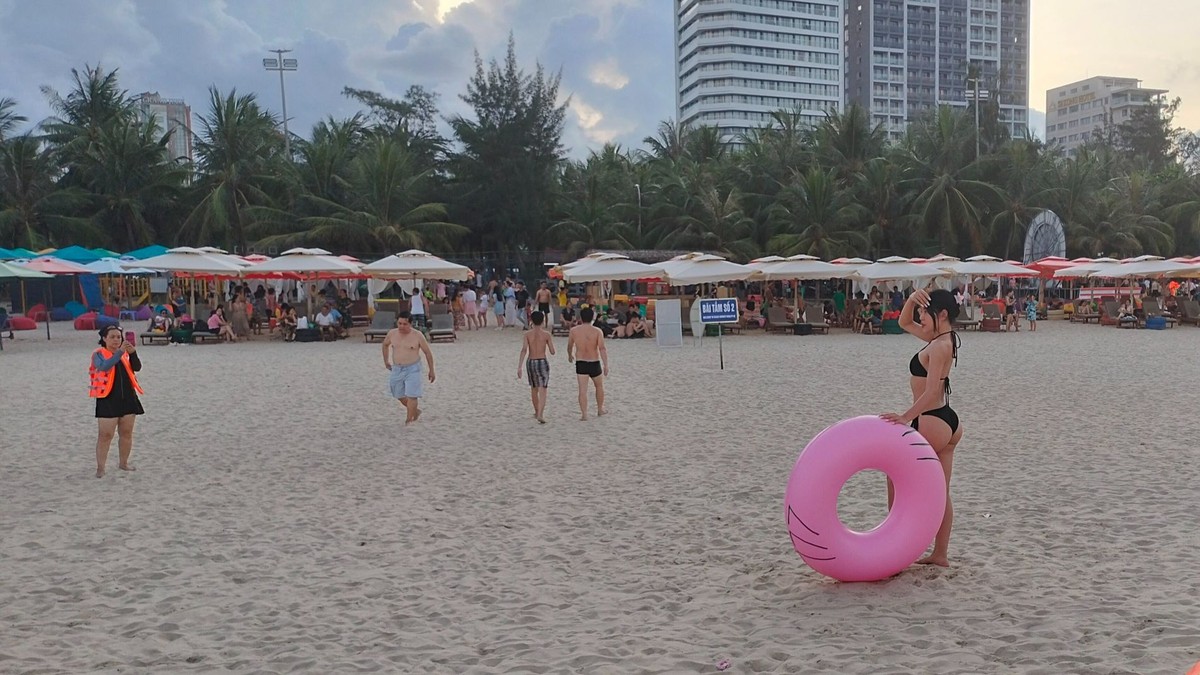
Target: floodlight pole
[(279, 64)]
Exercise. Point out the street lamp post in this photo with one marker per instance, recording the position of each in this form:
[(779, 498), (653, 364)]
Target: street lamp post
[(638, 187), (975, 81), (281, 64)]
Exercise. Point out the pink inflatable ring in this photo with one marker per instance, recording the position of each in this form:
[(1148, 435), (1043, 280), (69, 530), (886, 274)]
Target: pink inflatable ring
[(824, 466)]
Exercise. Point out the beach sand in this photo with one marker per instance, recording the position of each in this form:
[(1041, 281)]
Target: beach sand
[(283, 520)]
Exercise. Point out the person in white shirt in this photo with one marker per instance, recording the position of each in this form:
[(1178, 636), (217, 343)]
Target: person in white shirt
[(328, 324), (468, 300), (417, 308)]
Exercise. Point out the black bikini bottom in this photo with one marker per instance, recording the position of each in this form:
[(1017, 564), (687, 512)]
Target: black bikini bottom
[(945, 414)]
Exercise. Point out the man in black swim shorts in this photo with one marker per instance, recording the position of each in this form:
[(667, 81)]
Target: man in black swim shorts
[(585, 346)]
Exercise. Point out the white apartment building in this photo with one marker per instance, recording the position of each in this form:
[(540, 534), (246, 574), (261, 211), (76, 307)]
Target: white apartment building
[(905, 58), (1076, 111), (738, 61)]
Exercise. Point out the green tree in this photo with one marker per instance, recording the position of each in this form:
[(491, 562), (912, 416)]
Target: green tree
[(817, 217), (242, 167), (9, 119), (34, 210), (505, 172)]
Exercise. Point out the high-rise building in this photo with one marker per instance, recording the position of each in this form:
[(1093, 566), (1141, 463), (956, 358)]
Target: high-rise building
[(905, 58), (738, 61), (173, 115), (1074, 112)]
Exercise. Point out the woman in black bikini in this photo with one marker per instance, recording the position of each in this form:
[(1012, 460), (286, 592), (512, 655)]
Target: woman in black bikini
[(929, 316)]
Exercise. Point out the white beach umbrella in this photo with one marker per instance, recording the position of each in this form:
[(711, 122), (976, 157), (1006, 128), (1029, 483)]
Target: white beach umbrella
[(706, 269), (678, 262), (1148, 268), (612, 268), (117, 266), (188, 260), (897, 269), (413, 265), (307, 263), (987, 268), (805, 268)]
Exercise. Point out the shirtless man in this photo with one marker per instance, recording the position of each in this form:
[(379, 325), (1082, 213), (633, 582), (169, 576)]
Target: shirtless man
[(542, 299), (537, 341), (587, 341), (403, 346)]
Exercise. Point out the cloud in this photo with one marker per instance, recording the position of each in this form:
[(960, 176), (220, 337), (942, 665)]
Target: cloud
[(614, 56)]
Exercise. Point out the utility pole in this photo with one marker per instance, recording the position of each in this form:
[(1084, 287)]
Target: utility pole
[(975, 81), (281, 64), (638, 187)]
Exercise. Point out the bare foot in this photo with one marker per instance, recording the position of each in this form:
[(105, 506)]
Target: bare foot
[(602, 412), (541, 420), (126, 467), (583, 417), (416, 414), (940, 561), (99, 473)]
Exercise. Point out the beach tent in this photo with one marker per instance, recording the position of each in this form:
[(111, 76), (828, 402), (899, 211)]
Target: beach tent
[(146, 252), (20, 273), (76, 254)]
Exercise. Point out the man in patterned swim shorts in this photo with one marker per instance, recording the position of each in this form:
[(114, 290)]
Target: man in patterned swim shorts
[(535, 345)]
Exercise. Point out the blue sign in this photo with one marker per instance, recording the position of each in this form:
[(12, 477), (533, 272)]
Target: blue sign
[(719, 310)]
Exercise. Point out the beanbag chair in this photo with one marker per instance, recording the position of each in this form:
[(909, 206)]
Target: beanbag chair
[(105, 321), (76, 309), (86, 321), (60, 314), (37, 312), (22, 323), (143, 313), (112, 310)]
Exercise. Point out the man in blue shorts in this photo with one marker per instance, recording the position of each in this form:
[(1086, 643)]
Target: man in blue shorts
[(402, 349)]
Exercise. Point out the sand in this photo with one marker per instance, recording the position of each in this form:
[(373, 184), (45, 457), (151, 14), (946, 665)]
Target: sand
[(283, 520)]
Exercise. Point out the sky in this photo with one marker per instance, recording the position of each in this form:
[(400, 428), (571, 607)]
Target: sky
[(615, 56)]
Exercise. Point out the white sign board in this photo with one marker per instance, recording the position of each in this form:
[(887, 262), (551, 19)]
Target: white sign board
[(668, 323)]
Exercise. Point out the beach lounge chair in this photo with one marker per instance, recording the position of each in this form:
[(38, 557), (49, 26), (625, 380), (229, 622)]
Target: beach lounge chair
[(1153, 310), (381, 323), (777, 320), (1109, 313), (150, 337), (1189, 312), (818, 319), (964, 323), (993, 320), (442, 328)]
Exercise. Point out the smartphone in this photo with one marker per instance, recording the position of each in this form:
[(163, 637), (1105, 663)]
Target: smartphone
[(130, 337)]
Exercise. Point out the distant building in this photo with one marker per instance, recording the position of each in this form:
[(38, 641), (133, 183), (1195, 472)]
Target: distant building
[(1074, 112), (738, 61), (173, 115), (904, 58)]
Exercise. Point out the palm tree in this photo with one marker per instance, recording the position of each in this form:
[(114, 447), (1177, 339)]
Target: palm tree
[(9, 119), (1026, 175), (34, 210), (817, 217), (129, 174), (846, 141), (241, 162), (715, 222), (1121, 222), (385, 211), (589, 218), (952, 200), (94, 101), (877, 188)]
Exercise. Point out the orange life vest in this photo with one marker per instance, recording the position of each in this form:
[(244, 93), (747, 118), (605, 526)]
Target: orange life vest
[(102, 380)]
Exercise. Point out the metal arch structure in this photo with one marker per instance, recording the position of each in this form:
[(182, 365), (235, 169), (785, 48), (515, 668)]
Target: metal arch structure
[(1045, 237)]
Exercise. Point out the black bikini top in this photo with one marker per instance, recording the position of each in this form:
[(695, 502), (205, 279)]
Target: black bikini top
[(917, 369)]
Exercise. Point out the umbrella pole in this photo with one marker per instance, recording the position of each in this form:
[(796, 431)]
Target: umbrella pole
[(47, 298)]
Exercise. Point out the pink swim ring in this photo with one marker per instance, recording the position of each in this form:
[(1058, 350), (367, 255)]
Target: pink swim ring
[(824, 466)]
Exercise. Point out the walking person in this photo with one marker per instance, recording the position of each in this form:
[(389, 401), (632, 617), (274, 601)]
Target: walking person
[(586, 342), (402, 350), (115, 388), (543, 298), (470, 308), (416, 308), (534, 346)]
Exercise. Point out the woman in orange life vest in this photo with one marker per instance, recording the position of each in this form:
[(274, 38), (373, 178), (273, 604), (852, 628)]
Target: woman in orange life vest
[(115, 388)]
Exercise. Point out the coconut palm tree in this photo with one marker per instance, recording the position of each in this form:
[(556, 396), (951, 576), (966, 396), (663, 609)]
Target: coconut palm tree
[(34, 210), (242, 167), (9, 119), (818, 217)]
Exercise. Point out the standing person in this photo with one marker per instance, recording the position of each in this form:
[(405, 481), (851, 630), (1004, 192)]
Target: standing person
[(1010, 312), (543, 298), (587, 342), (929, 381), (402, 349), (522, 295), (535, 344), (510, 303), (115, 388), (497, 297), (1031, 310), (240, 316), (471, 308), (416, 308)]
